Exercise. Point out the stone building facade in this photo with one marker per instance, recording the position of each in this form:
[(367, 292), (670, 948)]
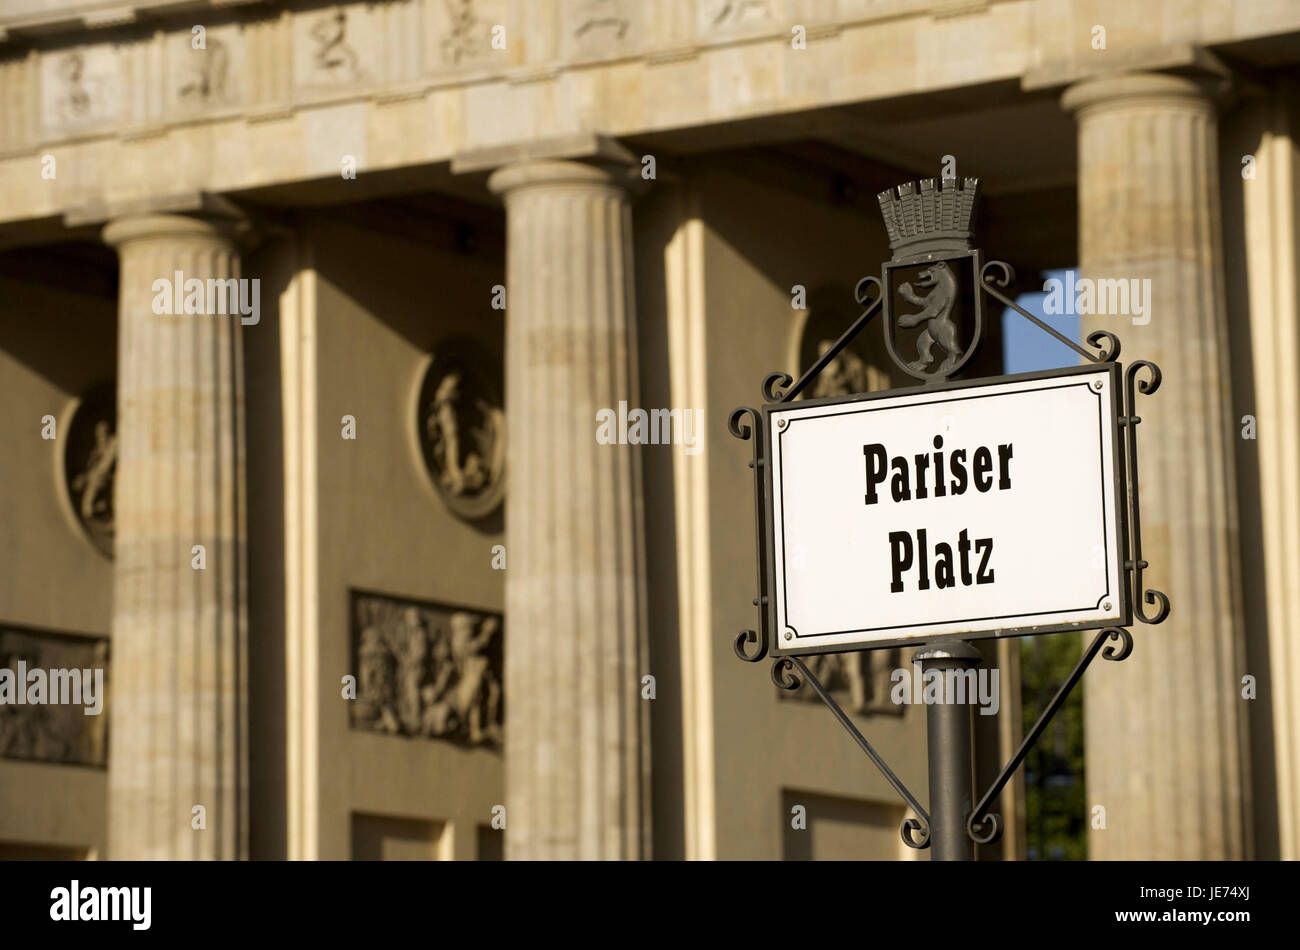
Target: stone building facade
[(307, 312)]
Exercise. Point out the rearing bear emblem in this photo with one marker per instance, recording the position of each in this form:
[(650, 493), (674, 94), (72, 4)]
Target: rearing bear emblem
[(936, 314), (929, 225)]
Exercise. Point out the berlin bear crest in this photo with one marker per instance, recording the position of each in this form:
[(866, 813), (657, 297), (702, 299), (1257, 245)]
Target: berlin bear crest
[(929, 225), (936, 314)]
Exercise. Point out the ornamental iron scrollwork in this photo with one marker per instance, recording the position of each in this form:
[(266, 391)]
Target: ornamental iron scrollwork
[(1129, 421), (986, 828), (929, 227), (784, 677), (752, 429)]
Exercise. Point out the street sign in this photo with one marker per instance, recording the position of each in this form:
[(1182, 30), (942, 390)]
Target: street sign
[(992, 508), (946, 512)]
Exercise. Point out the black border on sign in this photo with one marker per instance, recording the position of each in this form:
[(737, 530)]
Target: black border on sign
[(1120, 540)]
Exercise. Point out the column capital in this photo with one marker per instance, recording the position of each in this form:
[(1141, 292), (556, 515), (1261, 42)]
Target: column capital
[(204, 204), (587, 158), (550, 172), (1118, 90), (133, 228), (582, 147)]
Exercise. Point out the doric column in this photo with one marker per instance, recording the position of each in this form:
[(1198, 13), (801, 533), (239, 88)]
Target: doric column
[(179, 730), (1165, 729), (1272, 250), (576, 744)]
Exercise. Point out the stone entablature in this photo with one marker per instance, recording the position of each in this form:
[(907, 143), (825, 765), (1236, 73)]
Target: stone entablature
[(282, 95), (261, 58)]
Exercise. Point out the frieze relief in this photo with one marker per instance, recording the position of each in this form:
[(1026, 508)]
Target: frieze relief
[(81, 87), (463, 31), (600, 27), (49, 731), (734, 14), (326, 44), (203, 69), (596, 16), (266, 56), (427, 670)]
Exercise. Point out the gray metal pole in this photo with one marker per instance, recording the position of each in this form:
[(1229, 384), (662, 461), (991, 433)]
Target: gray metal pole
[(948, 725)]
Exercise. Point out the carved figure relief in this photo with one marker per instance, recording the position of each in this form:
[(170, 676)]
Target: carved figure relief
[(462, 431), (466, 35), (48, 731), (847, 373), (732, 12), (90, 463), (427, 670), (80, 87), (333, 55), (205, 73), (74, 100), (859, 681), (606, 16)]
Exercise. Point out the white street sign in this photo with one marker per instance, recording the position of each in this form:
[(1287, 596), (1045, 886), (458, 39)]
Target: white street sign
[(987, 509)]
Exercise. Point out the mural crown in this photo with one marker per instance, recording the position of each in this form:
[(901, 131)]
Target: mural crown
[(930, 218)]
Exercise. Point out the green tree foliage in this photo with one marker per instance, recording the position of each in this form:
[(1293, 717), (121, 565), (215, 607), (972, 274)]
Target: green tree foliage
[(1056, 818)]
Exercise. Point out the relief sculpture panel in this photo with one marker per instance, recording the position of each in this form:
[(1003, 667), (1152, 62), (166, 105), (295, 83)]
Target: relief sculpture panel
[(53, 706), (329, 43), (594, 28), (203, 69), (428, 670), (80, 87), (460, 425), (90, 464)]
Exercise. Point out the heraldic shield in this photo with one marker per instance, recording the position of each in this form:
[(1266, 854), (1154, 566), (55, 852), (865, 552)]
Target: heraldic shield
[(932, 307)]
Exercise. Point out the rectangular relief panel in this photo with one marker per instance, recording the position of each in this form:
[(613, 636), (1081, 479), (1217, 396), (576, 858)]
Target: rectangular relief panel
[(427, 670), (53, 697)]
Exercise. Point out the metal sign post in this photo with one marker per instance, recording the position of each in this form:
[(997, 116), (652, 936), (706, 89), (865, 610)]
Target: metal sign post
[(932, 515), (950, 759)]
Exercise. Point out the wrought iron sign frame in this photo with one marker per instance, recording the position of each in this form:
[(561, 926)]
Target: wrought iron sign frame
[(931, 226), (1117, 536)]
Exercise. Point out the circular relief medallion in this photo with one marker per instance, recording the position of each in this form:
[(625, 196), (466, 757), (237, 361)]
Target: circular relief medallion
[(861, 367), (89, 464), (460, 423)]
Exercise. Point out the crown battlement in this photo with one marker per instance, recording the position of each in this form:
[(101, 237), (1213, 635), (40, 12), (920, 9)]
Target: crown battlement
[(929, 217)]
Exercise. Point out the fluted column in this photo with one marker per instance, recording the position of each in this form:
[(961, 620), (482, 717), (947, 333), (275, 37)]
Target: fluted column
[(1272, 248), (1165, 729), (179, 733), (576, 746)]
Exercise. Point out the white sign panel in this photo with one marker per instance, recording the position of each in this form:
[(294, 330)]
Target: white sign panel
[(985, 509)]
